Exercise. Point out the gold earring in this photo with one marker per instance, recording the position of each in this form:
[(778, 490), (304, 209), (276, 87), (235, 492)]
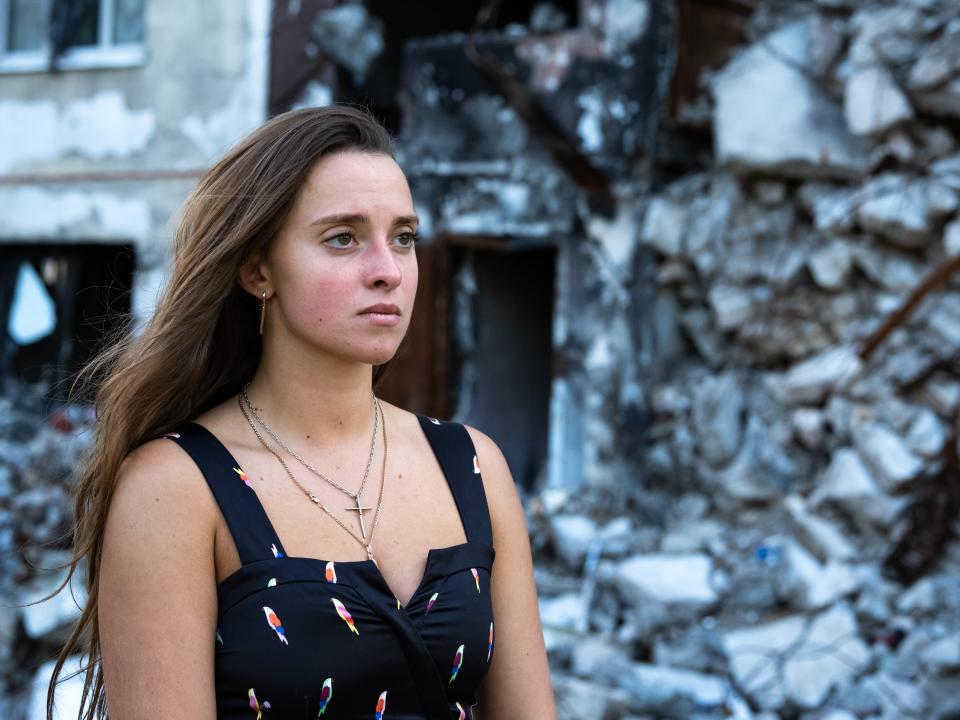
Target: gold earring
[(263, 310)]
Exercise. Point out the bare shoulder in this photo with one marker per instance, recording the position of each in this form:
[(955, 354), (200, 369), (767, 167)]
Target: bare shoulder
[(157, 561), (161, 471), (160, 501)]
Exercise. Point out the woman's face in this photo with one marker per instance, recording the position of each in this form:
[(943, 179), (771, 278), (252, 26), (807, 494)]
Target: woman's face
[(347, 244)]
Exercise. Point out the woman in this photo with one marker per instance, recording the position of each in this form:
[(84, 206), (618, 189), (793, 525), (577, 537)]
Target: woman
[(264, 536)]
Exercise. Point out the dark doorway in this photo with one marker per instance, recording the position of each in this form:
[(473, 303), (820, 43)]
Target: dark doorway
[(504, 387)]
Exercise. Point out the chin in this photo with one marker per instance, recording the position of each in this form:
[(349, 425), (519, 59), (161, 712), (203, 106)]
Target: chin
[(378, 356)]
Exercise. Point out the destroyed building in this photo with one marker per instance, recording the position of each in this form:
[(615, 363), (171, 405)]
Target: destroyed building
[(690, 263)]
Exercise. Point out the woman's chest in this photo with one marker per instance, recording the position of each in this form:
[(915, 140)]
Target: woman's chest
[(415, 512), (305, 636)]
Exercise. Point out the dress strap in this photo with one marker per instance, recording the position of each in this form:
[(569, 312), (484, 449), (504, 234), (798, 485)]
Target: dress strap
[(457, 455), (249, 525)]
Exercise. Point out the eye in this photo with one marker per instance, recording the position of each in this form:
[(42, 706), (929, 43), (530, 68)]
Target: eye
[(336, 240), (409, 237)]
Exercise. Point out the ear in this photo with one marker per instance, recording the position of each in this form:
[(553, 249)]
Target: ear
[(254, 276)]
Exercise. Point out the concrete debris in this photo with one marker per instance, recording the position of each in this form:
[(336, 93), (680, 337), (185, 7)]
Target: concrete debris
[(810, 585), (572, 535), (943, 654), (351, 36), (904, 211), (944, 321), (947, 171), (563, 612), (951, 238), (849, 484), (717, 419), (663, 226), (771, 117), (939, 62), (927, 434), (760, 471), (891, 459), (830, 655), (584, 700), (811, 379), (830, 265), (823, 538), (731, 306), (675, 693), (873, 102), (920, 598), (755, 655), (894, 697), (796, 660), (667, 578), (884, 34)]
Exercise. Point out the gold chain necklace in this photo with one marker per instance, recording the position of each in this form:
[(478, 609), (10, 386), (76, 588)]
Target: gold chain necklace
[(358, 508), (365, 542)]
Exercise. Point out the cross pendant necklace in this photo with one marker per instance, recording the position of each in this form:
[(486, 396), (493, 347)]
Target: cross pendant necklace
[(359, 509)]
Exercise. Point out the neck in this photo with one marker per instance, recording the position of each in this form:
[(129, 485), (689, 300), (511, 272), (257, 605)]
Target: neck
[(324, 402)]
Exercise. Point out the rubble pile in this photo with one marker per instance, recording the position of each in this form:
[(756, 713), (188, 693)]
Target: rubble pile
[(767, 569), (39, 448)]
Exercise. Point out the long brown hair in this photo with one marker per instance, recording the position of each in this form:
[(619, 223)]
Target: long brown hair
[(139, 391)]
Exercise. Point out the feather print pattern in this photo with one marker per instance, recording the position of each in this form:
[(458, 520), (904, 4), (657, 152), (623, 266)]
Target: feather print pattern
[(276, 553), (490, 642), (345, 614), (243, 476), (255, 704), (431, 601), (381, 706), (330, 573), (326, 695), (463, 713), (275, 623), (476, 577), (457, 662)]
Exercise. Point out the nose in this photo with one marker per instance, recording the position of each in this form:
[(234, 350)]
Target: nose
[(383, 269)]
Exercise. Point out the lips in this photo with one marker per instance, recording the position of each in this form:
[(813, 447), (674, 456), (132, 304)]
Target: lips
[(381, 309)]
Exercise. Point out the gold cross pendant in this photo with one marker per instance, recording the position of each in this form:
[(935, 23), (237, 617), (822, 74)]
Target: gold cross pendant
[(360, 510)]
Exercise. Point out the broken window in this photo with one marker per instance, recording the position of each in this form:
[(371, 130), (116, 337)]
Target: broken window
[(80, 23), (71, 33), (56, 304), (26, 22)]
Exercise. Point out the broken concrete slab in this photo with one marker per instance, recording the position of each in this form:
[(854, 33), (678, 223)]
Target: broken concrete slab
[(849, 483), (683, 578), (811, 379), (873, 102), (771, 117), (830, 655)]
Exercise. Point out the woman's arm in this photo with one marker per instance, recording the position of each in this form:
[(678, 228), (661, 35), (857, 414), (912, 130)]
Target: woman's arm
[(517, 685), (157, 596)]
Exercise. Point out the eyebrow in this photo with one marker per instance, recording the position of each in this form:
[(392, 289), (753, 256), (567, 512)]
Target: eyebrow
[(348, 219)]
